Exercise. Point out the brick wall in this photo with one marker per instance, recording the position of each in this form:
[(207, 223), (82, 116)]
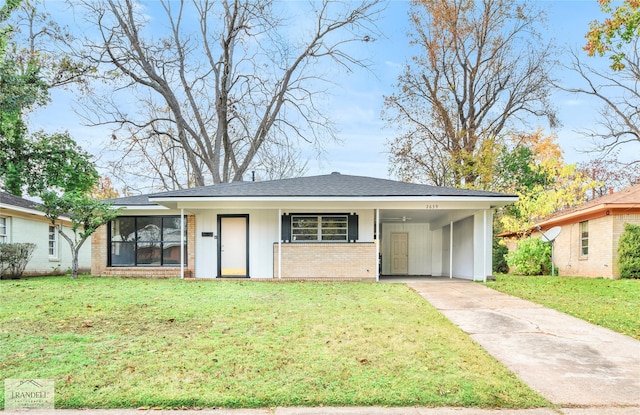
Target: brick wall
[(602, 260), (99, 258), (327, 261), (598, 262)]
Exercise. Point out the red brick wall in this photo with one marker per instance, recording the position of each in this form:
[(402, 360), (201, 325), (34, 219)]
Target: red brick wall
[(327, 261), (99, 258)]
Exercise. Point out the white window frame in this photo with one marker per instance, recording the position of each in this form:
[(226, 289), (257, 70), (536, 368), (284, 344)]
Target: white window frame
[(53, 240), (4, 230), (319, 228), (584, 240)]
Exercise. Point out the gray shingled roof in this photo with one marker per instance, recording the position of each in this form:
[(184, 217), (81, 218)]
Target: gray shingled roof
[(139, 200), (9, 199), (330, 185)]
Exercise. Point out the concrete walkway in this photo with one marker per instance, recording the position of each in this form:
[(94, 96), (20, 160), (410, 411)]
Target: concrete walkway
[(572, 363)]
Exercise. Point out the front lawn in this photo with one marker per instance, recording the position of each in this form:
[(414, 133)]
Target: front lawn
[(111, 343), (614, 304)]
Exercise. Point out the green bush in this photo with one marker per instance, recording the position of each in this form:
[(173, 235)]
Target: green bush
[(499, 257), (629, 252), (14, 258), (533, 257)]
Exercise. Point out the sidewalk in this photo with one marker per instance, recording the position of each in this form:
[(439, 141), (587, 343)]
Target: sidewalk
[(337, 411)]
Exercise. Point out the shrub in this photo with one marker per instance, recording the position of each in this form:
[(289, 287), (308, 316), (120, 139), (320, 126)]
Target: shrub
[(629, 252), (14, 258), (499, 257), (533, 257)]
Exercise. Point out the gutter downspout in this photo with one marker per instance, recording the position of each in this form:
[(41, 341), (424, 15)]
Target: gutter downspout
[(182, 243)]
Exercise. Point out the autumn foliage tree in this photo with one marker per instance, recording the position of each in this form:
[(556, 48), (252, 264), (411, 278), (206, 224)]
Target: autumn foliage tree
[(615, 32), (104, 189), (481, 71), (534, 169)]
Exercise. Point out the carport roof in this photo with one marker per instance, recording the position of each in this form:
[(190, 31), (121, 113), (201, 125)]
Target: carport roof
[(330, 185)]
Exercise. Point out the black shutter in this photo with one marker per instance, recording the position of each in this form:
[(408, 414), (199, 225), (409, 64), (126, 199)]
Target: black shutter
[(286, 228), (352, 234)]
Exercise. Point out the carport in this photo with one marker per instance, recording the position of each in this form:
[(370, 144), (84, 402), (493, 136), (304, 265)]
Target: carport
[(442, 239)]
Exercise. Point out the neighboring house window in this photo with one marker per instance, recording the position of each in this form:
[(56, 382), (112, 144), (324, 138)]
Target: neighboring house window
[(53, 242), (146, 241), (584, 238), (319, 228), (4, 231)]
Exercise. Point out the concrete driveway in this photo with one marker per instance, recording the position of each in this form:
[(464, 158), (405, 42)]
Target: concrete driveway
[(572, 363)]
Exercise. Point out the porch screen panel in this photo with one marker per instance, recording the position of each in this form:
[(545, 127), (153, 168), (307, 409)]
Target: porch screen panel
[(149, 241), (123, 241), (171, 240), (146, 241)]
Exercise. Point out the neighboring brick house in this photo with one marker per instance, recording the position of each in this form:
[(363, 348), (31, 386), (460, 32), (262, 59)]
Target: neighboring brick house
[(21, 221), (588, 243), (322, 227)]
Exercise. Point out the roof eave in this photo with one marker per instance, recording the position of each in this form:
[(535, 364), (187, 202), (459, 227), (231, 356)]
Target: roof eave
[(506, 199), (577, 214)]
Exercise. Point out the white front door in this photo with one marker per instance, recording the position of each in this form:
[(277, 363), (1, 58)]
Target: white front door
[(400, 253), (232, 246)]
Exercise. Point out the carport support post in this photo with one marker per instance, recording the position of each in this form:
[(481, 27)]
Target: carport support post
[(377, 241), (451, 250), (279, 244), (181, 243), (484, 245)]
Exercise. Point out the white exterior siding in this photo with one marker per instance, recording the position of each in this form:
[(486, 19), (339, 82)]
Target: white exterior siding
[(419, 250), (23, 230), (206, 247), (263, 233), (437, 241), (463, 248), (482, 245)]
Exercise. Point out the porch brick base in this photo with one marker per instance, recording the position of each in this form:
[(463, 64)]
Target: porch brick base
[(326, 261)]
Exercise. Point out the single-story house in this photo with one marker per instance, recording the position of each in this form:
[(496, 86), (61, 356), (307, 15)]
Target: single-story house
[(21, 221), (587, 245), (321, 227)]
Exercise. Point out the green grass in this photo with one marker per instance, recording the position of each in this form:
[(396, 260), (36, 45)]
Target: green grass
[(111, 343), (614, 304)]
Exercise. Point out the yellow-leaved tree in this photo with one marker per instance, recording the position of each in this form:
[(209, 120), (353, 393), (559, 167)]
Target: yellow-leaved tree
[(534, 169)]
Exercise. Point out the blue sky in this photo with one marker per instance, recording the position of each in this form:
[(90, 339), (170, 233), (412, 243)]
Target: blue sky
[(357, 104)]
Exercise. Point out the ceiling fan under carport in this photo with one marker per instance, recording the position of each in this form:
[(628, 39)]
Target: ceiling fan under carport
[(399, 219)]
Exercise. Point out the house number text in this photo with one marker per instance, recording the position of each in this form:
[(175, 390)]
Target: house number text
[(432, 206)]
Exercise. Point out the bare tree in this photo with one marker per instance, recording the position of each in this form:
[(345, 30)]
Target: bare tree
[(481, 70), (217, 87), (609, 175), (618, 91), (37, 40)]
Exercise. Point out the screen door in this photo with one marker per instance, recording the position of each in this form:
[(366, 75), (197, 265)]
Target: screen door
[(233, 248)]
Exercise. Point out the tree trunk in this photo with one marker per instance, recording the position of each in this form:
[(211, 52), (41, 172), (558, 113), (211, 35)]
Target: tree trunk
[(74, 263)]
